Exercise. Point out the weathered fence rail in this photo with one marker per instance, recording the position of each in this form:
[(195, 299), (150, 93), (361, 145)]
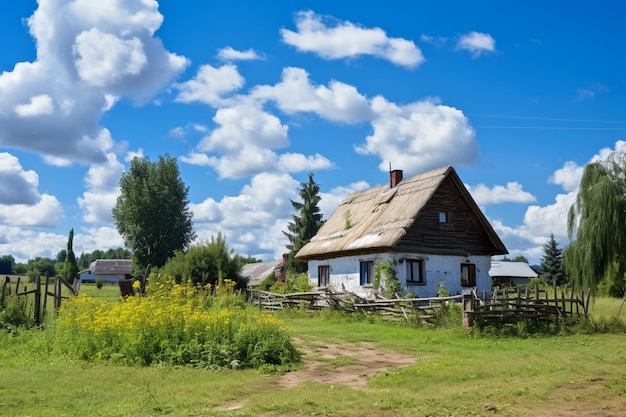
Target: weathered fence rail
[(40, 292), (424, 309), (507, 306)]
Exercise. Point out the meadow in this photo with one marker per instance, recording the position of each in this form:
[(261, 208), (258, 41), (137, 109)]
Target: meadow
[(452, 372)]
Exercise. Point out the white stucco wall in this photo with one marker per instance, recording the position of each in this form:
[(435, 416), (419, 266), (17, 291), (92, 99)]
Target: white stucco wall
[(345, 273)]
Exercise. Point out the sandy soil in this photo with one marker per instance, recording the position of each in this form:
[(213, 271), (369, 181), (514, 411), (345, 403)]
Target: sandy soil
[(346, 364)]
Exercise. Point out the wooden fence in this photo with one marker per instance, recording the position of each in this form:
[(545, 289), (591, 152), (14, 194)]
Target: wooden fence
[(421, 309), (507, 306), (41, 293)]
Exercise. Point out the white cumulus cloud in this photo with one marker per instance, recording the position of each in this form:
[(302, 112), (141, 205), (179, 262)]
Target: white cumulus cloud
[(420, 136), (347, 40), (511, 193), (477, 43)]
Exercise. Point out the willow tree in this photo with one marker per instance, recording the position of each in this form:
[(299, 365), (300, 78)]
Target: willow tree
[(596, 226)]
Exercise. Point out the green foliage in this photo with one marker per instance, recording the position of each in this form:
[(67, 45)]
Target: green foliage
[(205, 263), (442, 291), (85, 259), (7, 262), (267, 283), (386, 280), (70, 266), (305, 224), (293, 283), (14, 313), (152, 211), (551, 263), (40, 266), (172, 325), (99, 283), (597, 223)]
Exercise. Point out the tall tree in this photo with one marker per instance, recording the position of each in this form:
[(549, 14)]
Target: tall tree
[(152, 211), (70, 266), (551, 263), (305, 224), (597, 225)]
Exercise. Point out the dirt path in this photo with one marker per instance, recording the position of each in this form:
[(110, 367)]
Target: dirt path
[(346, 364)]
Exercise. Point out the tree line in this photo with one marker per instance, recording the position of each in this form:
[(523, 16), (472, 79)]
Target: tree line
[(152, 214)]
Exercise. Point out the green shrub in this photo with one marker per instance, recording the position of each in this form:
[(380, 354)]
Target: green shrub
[(14, 313), (99, 282), (293, 283), (386, 281)]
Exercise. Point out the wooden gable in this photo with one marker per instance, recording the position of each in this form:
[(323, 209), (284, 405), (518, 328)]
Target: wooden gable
[(450, 223)]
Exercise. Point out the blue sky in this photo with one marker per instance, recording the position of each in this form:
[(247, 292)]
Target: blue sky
[(252, 96)]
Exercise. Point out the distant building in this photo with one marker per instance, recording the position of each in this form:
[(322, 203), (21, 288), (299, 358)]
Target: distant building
[(505, 273), (256, 272), (110, 270)]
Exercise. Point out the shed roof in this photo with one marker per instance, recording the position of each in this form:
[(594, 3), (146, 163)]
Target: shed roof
[(377, 218), (258, 271), (111, 266), (511, 269)]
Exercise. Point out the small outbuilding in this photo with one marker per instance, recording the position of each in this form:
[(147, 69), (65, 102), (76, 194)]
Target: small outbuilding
[(111, 271), (509, 274), (256, 272)]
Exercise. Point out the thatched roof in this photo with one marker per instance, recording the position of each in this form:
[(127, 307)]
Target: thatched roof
[(376, 219)]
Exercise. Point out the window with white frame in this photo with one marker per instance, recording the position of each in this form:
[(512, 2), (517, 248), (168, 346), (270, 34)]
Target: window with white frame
[(323, 275), (415, 271)]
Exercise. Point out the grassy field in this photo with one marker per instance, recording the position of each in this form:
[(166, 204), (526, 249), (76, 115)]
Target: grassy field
[(455, 373)]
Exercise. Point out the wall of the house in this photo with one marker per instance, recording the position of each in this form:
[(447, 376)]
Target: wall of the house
[(345, 273), (87, 276)]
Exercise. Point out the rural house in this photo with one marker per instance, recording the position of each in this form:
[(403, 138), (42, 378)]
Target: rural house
[(509, 273), (110, 270), (427, 226)]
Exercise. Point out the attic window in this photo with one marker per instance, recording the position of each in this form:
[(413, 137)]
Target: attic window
[(445, 217)]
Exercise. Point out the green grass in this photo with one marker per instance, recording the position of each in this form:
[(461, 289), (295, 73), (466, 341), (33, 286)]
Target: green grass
[(455, 374), (110, 292)]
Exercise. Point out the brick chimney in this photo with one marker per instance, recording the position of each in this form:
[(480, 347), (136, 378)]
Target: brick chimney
[(395, 177)]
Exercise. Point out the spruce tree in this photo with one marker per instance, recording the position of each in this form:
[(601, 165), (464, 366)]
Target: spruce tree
[(551, 263), (305, 224)]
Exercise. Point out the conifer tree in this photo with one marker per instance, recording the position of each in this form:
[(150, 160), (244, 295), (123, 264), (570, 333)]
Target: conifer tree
[(551, 263), (70, 266), (305, 224)]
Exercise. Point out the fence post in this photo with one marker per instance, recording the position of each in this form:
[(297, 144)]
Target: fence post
[(45, 296), (468, 307), (37, 314)]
